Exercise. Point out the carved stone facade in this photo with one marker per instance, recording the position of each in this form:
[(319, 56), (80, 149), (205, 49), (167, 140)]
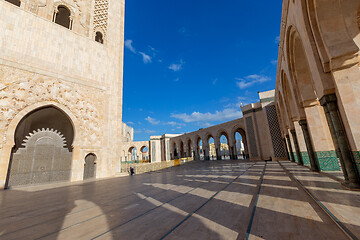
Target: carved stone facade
[(19, 95), (45, 65), (100, 16), (88, 16)]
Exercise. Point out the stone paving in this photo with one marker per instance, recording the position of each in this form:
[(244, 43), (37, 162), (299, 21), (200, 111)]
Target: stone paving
[(201, 200)]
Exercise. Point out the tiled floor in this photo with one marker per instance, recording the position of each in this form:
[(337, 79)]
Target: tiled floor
[(202, 200)]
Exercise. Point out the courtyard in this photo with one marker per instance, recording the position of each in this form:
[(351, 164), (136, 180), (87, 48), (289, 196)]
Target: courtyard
[(231, 199)]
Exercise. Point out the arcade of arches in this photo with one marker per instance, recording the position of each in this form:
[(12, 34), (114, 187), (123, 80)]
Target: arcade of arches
[(61, 121), (256, 136), (135, 151), (311, 117), (316, 87)]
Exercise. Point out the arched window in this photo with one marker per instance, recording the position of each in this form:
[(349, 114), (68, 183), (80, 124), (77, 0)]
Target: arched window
[(15, 2), (62, 17), (99, 37)]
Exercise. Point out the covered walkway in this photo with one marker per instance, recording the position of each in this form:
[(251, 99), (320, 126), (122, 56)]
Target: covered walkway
[(201, 200)]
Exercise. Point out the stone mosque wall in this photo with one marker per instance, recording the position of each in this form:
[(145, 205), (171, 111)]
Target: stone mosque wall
[(317, 97), (72, 69)]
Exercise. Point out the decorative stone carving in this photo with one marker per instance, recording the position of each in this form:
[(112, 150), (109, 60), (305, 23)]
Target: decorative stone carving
[(33, 5), (101, 16), (83, 8), (17, 96)]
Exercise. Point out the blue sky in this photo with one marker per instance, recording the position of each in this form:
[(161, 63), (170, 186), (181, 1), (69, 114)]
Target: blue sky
[(190, 64)]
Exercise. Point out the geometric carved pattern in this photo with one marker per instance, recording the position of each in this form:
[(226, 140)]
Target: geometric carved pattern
[(328, 160), (305, 158), (101, 15), (251, 134), (275, 132), (19, 95), (43, 159), (44, 132)]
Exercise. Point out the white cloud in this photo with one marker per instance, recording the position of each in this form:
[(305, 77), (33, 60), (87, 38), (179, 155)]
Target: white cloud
[(242, 101), (146, 58), (206, 125), (128, 45), (226, 114), (274, 62), (175, 124), (251, 80), (130, 123), (176, 79), (172, 123), (150, 131), (153, 121), (214, 81), (176, 66)]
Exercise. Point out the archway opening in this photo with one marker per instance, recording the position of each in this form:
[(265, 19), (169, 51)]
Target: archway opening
[(62, 16), (200, 150), (212, 148), (224, 147), (144, 154), (241, 147), (90, 166), (132, 154), (43, 148)]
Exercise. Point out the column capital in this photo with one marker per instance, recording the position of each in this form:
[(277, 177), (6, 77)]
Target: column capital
[(328, 98)]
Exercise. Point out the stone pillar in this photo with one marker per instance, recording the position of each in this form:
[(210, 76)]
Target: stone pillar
[(286, 148), (335, 140), (233, 152), (206, 152), (290, 148), (297, 148), (310, 149), (329, 102), (218, 153), (217, 148)]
